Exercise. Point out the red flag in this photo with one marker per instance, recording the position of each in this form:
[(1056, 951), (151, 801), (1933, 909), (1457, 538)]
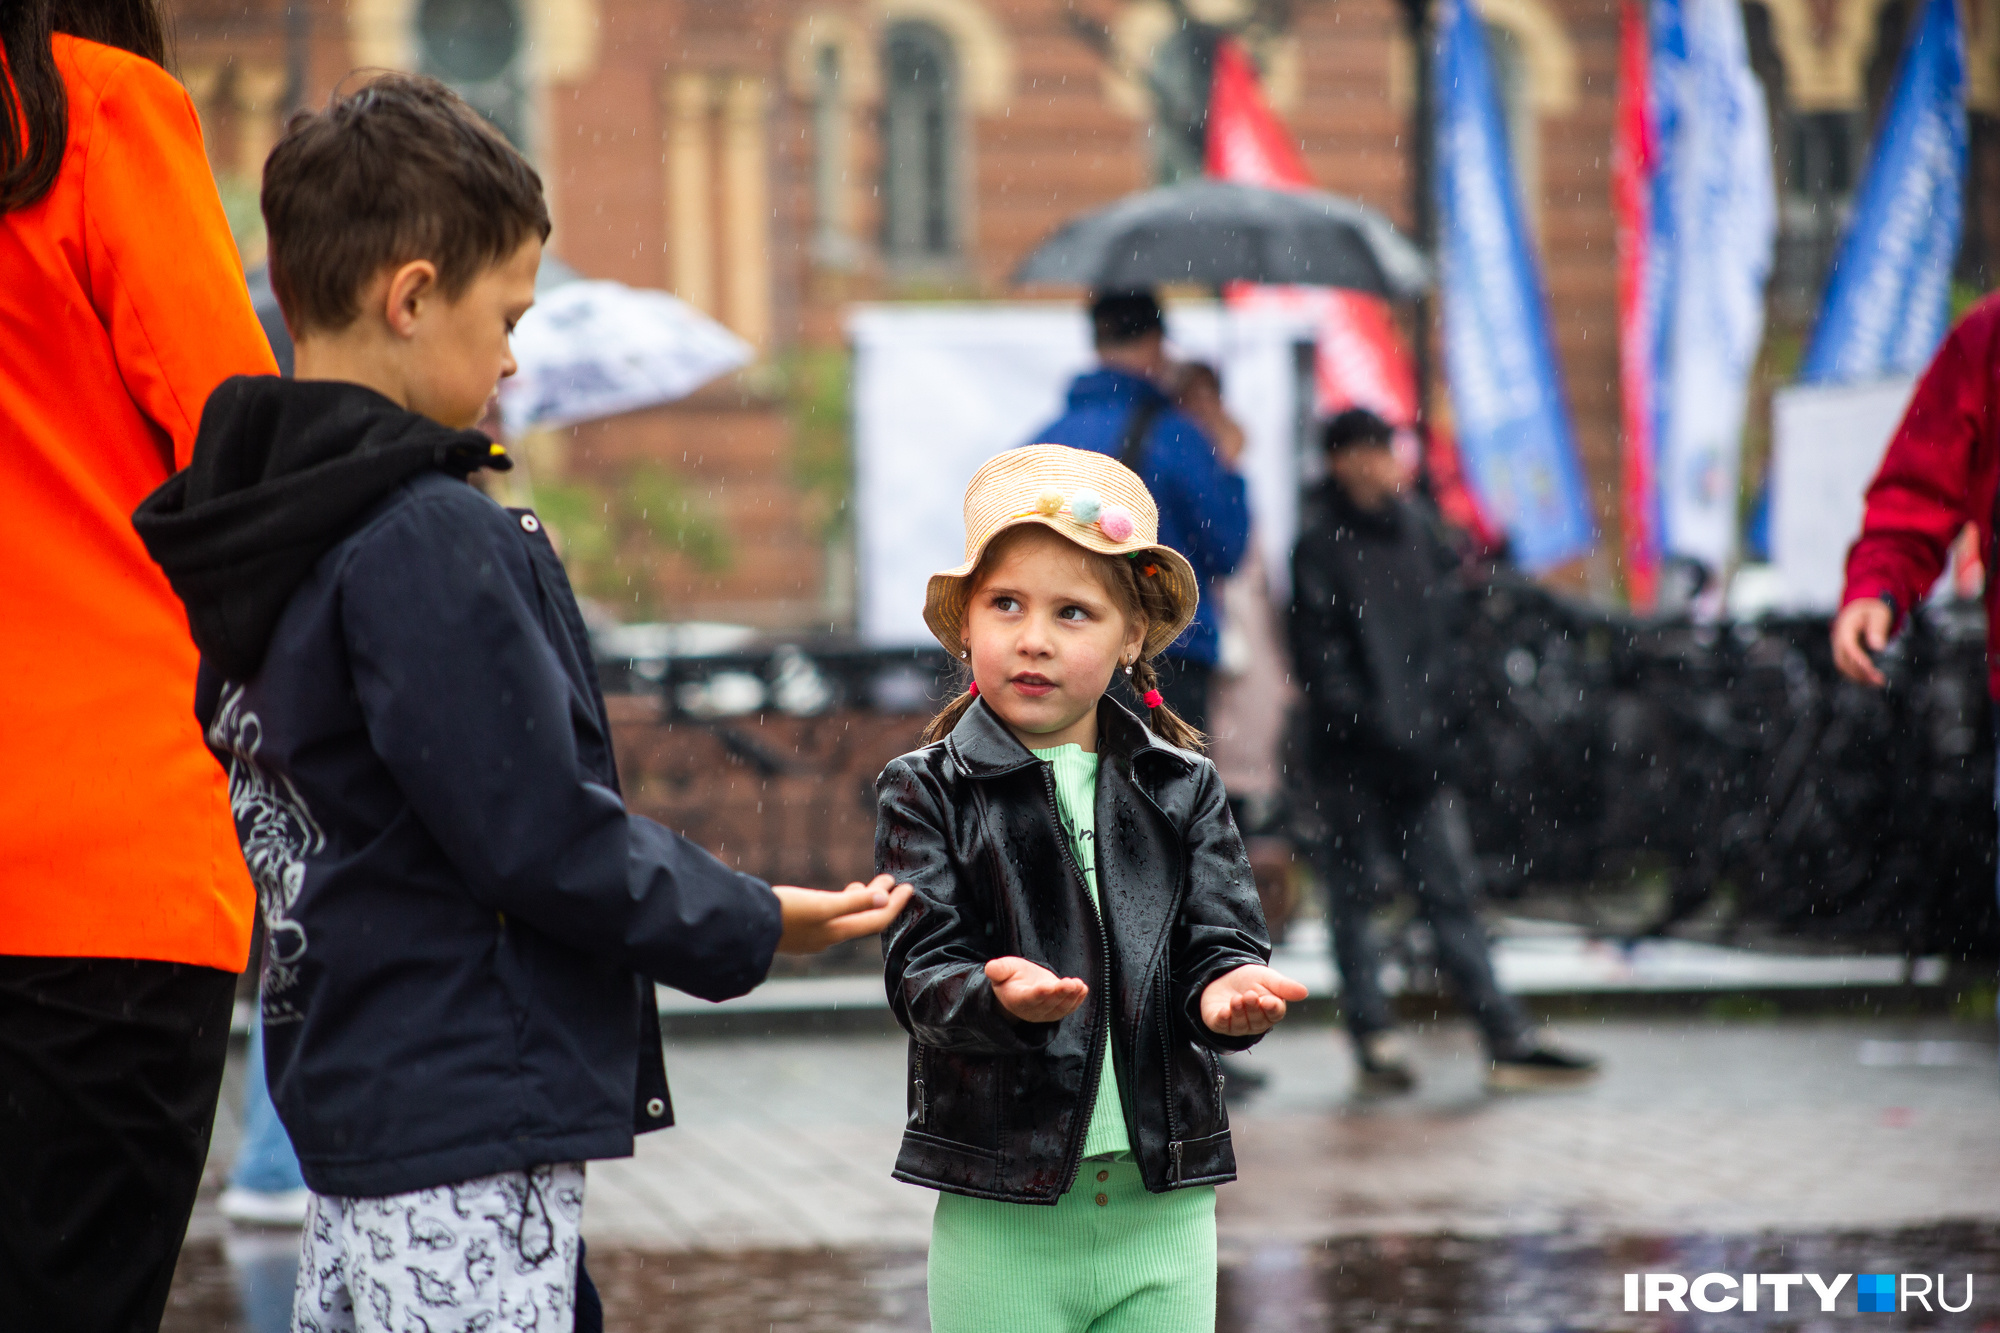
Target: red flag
[(1632, 161), (1246, 142), (1362, 359)]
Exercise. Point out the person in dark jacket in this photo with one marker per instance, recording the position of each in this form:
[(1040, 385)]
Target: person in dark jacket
[(1085, 936), (1122, 408), (1373, 595), (463, 922)]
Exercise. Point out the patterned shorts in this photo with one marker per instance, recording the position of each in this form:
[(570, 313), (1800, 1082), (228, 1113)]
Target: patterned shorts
[(498, 1253)]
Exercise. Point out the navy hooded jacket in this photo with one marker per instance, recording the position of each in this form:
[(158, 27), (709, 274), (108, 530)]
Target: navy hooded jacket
[(463, 921), (1204, 508)]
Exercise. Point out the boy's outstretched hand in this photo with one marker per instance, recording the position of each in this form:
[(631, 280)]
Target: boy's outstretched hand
[(1031, 992), (1249, 1001), (815, 920)]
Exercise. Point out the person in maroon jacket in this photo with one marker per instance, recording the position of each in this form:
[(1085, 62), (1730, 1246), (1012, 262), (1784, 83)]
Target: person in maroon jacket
[(1941, 473)]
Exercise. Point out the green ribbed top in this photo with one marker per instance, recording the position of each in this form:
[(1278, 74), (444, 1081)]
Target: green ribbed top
[(1076, 803)]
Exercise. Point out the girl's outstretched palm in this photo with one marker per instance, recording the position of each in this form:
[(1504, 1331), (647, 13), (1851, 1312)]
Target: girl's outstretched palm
[(1031, 992), (1248, 1001)]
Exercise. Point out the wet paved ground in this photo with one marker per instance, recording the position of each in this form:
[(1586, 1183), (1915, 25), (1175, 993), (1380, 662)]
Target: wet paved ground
[(1775, 1146)]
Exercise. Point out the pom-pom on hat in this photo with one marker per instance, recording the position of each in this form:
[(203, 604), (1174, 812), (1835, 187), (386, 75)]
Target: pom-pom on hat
[(1090, 498)]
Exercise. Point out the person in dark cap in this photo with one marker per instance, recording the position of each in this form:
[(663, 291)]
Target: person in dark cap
[(1371, 625), (1122, 408)]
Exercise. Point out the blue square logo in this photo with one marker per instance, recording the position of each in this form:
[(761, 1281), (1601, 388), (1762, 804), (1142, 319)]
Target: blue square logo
[(1876, 1293)]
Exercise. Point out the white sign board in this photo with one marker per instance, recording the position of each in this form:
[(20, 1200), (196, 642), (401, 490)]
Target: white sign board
[(1827, 442), (939, 389)]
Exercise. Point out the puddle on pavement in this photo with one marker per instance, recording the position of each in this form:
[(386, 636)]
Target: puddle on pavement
[(1546, 1284), (1437, 1284)]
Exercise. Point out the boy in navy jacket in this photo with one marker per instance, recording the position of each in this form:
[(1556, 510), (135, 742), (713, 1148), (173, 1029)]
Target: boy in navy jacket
[(463, 922)]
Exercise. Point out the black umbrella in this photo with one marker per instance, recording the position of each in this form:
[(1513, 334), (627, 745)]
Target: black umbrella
[(1215, 232)]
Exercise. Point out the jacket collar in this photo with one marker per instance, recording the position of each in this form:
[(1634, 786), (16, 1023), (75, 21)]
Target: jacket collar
[(984, 747)]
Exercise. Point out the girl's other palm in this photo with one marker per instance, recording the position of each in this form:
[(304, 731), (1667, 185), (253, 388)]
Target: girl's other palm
[(1249, 1001), (1031, 992)]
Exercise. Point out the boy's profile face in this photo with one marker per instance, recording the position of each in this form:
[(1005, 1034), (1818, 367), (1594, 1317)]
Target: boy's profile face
[(455, 350)]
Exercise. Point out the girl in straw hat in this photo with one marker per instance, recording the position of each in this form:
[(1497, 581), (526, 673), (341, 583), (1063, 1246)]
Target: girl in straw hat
[(1084, 938)]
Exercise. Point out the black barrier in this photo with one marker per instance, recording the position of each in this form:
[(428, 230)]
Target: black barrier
[(1730, 758), (1735, 757)]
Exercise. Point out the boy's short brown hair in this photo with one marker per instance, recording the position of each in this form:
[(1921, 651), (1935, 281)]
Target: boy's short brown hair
[(399, 170)]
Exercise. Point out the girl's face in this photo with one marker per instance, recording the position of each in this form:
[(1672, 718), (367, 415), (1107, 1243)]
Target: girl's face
[(1046, 637)]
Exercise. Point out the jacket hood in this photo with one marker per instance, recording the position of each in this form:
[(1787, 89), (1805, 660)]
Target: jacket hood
[(1106, 387), (282, 470)]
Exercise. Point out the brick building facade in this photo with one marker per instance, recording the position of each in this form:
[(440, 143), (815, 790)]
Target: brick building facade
[(773, 160)]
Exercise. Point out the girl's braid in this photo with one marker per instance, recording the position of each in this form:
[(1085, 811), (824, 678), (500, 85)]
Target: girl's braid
[(1167, 724)]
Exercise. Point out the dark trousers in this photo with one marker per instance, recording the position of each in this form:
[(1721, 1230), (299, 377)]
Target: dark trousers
[(1184, 685), (109, 1070), (1374, 835), (589, 1305)]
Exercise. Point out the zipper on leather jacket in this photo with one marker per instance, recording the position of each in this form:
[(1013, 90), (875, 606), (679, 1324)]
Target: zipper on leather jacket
[(1101, 1030), (923, 1107), (1167, 1077), (920, 1101)]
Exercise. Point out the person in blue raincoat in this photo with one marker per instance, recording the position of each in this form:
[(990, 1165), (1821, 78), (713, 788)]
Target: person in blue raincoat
[(1122, 408)]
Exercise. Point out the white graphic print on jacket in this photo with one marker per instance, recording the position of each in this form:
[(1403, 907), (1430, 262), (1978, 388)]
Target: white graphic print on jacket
[(278, 833), (492, 1255)]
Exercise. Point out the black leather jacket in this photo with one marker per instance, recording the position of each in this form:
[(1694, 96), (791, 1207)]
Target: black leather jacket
[(998, 1108)]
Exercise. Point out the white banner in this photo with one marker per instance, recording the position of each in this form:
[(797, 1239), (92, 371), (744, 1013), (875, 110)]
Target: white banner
[(1826, 445), (939, 389)]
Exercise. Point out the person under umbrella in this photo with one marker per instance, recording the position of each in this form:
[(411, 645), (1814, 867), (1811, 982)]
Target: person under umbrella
[(1122, 409)]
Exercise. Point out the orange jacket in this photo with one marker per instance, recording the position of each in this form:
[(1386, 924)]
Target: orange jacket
[(122, 305)]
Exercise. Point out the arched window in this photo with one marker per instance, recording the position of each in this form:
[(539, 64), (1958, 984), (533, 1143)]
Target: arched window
[(1182, 77), (832, 245), (920, 128), (476, 47), (1512, 88), (1816, 152)]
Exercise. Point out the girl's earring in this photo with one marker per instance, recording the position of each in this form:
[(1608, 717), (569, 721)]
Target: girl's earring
[(1128, 670), (965, 654)]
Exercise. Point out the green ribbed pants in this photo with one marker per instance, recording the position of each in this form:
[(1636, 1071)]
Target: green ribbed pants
[(1132, 1263)]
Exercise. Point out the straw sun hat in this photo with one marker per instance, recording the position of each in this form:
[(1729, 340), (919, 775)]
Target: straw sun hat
[(1090, 498)]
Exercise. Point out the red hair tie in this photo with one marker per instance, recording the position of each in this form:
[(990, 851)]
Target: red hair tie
[(973, 689), (1153, 699)]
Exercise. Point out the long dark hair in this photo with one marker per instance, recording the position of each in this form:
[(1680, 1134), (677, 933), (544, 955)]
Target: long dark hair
[(1137, 595), (34, 120)]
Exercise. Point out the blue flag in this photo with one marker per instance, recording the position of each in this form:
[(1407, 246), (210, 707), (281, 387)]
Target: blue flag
[(1888, 298), (1506, 392)]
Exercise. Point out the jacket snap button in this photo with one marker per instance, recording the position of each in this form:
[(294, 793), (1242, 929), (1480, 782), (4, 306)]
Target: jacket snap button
[(1102, 1200), (656, 1108), (1104, 1175), (529, 523)]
